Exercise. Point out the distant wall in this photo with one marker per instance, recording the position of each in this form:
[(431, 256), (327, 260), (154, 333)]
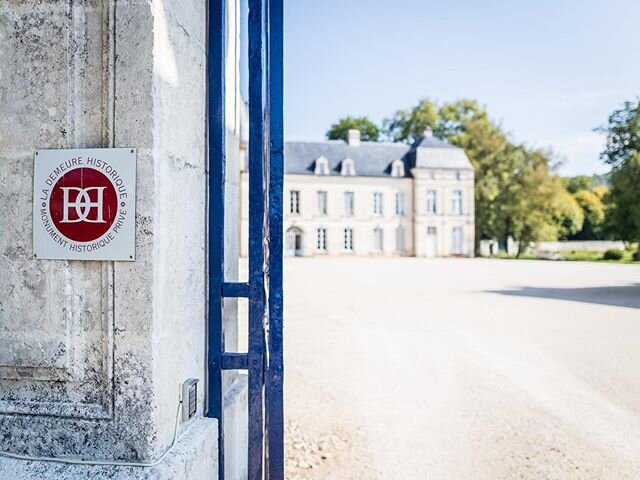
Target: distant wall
[(591, 245), (492, 247)]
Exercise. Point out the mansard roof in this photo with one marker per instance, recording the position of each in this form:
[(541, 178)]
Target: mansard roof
[(374, 159)]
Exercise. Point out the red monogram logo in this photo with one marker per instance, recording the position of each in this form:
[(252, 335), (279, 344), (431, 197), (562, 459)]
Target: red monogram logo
[(83, 204)]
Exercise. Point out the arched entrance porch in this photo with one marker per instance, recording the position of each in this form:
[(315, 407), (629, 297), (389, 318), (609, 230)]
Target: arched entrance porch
[(293, 242)]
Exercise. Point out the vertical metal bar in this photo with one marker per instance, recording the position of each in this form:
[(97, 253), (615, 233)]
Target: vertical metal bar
[(216, 163), (257, 204), (275, 371)]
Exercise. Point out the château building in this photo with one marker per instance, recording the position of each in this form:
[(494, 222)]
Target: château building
[(373, 198)]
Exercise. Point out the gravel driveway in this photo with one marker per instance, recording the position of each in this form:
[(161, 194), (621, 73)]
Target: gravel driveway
[(462, 369)]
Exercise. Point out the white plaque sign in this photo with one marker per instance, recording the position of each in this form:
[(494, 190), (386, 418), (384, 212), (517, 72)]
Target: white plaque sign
[(84, 204)]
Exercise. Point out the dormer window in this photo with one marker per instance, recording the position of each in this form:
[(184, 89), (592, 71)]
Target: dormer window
[(397, 168), (348, 167), (321, 166)]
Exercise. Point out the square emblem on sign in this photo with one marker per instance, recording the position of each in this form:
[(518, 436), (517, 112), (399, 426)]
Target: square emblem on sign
[(84, 204)]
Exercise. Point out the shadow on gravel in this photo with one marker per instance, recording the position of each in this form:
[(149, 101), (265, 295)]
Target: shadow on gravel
[(623, 296)]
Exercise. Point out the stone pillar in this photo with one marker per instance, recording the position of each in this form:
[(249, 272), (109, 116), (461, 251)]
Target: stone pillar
[(93, 354)]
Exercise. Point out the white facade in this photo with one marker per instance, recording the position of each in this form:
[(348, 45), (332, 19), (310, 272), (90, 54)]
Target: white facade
[(332, 209), (448, 227), (347, 233)]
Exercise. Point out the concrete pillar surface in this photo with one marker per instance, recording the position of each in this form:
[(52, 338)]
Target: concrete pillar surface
[(92, 354)]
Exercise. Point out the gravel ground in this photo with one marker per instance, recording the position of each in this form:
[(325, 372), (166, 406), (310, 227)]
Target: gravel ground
[(462, 369)]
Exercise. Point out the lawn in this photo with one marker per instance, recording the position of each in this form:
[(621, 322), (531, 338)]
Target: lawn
[(588, 256), (577, 256)]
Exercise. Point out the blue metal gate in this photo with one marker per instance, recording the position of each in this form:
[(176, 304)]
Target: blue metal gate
[(264, 359)]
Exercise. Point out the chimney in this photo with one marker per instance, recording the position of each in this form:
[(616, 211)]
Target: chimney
[(427, 132), (353, 137)]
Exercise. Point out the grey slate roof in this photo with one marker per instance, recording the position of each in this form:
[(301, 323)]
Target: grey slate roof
[(374, 159)]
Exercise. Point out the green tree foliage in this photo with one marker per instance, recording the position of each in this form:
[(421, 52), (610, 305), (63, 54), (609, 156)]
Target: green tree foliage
[(622, 152), (600, 191), (493, 158), (409, 125), (593, 210), (369, 131), (516, 192), (579, 183), (588, 193), (569, 214), (623, 134), (623, 200), (539, 207), (455, 117)]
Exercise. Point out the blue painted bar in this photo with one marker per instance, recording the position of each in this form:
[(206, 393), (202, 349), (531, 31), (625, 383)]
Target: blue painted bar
[(264, 288), (235, 361), (257, 208), (275, 372), (216, 163), (235, 290)]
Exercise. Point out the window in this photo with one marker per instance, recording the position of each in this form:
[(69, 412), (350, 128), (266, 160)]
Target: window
[(458, 176), (432, 242), (397, 169), (457, 202), (400, 203), (432, 206), (347, 167), (377, 203), (349, 204), (294, 201), (457, 245), (348, 239), (321, 240), (321, 166), (378, 239), (322, 203), (400, 239)]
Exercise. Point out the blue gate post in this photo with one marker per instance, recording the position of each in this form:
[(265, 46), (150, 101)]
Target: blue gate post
[(264, 289), (216, 166), (258, 135), (274, 378)]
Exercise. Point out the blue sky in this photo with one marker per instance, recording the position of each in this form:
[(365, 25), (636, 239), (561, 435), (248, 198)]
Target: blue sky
[(549, 71)]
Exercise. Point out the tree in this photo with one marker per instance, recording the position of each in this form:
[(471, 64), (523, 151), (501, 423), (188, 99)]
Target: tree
[(623, 201), (517, 193), (537, 207), (567, 211), (369, 131), (579, 183), (593, 210), (492, 157), (600, 191), (622, 152), (623, 134), (409, 125), (456, 116), (587, 193)]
